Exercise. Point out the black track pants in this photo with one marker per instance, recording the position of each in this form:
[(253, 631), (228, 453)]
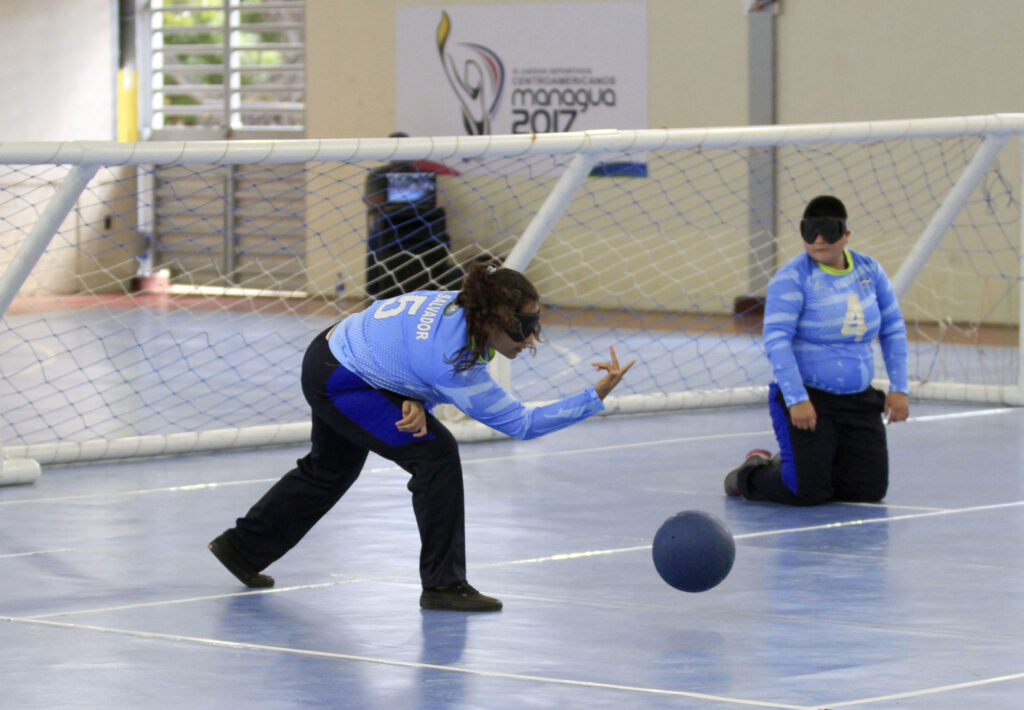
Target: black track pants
[(845, 458), (350, 419)]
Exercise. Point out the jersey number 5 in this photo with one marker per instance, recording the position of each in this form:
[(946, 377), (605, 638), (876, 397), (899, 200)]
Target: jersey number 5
[(854, 322), (400, 304)]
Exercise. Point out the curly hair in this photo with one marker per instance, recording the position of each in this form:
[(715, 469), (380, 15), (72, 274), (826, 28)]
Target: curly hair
[(490, 296)]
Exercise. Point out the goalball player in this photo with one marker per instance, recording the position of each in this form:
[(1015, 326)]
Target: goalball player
[(823, 310), (367, 380)]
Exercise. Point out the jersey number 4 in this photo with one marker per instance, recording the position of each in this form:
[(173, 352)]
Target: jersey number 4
[(854, 323)]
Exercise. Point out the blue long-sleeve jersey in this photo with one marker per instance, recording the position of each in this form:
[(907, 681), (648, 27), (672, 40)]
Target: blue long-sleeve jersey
[(819, 324), (406, 344)]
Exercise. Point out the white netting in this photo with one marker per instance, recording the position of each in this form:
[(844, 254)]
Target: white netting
[(262, 256)]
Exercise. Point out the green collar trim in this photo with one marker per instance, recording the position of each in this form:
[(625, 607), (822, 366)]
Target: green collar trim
[(840, 272), (490, 351)]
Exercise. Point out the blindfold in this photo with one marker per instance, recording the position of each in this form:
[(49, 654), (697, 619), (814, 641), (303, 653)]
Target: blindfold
[(528, 323), (831, 228)]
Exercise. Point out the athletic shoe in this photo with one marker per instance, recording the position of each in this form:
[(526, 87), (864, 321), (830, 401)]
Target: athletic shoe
[(458, 597), (237, 565), (755, 457)]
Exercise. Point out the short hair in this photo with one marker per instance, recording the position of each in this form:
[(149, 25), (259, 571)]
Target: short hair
[(825, 206)]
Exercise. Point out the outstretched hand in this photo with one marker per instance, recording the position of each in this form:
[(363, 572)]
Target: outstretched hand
[(614, 374), (414, 418)]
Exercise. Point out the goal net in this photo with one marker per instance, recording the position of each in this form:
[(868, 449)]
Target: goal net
[(158, 297)]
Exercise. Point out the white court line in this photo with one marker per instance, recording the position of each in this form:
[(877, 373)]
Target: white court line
[(511, 676), (926, 691), (883, 519), (962, 415), (630, 445), (766, 533), (886, 506), (377, 469), (48, 356), (489, 459), (405, 664), (37, 552), (715, 437), (191, 600), (567, 452), (140, 491), (558, 557)]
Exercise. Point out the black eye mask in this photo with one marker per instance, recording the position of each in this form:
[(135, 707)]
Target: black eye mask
[(831, 228), (528, 323)]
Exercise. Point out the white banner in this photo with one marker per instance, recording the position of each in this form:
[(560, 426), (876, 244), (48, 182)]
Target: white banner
[(498, 69)]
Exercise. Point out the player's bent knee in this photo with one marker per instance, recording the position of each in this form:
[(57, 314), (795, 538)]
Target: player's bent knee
[(864, 496), (433, 463), (809, 500), (444, 443)]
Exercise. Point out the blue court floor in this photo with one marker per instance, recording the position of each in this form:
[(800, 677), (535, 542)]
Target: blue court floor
[(110, 599)]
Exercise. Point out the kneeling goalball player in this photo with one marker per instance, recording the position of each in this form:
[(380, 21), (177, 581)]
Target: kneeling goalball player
[(823, 310)]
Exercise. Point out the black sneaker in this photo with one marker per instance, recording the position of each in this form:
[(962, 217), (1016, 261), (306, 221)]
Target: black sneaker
[(237, 565), (458, 597), (757, 457)]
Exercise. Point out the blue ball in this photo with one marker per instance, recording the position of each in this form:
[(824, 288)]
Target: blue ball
[(693, 551)]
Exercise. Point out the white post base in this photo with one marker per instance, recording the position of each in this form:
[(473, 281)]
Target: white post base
[(16, 471)]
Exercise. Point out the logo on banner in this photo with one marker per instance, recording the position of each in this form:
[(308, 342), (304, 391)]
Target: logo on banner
[(476, 75)]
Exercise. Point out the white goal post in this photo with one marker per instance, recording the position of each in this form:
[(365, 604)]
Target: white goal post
[(157, 297)]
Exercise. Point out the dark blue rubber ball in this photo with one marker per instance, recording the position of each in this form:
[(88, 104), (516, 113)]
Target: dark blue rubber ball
[(693, 551)]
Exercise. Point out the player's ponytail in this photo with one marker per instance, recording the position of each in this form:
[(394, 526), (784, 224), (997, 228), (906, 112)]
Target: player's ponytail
[(490, 296)]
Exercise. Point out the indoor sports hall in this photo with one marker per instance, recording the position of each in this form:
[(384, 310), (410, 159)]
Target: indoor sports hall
[(192, 190)]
